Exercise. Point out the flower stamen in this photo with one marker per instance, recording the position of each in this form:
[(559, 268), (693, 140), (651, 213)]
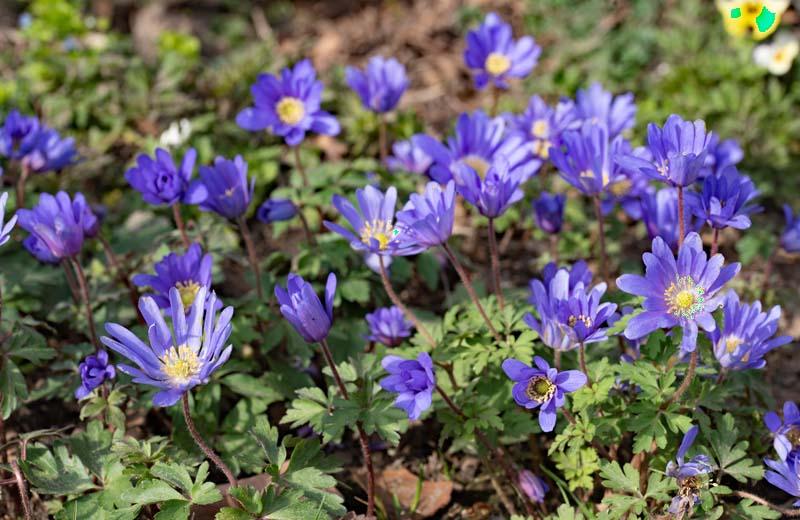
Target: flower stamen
[(290, 110), (181, 364), (684, 298), (497, 64), (380, 230), (540, 389), (187, 290)]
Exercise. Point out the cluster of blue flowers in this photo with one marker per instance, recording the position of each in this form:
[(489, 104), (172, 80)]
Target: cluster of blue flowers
[(487, 161)]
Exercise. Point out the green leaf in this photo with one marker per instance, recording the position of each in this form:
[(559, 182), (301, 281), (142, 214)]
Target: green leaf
[(56, 472), (354, 290), (152, 492), (173, 510), (173, 473), (229, 513), (12, 387), (249, 386), (92, 447), (428, 268), (731, 456), (620, 478)]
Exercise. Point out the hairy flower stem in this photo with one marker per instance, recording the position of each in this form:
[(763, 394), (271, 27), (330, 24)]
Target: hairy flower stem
[(251, 255), (687, 380), (557, 360), (87, 302), (462, 273), (502, 456), (554, 248), (598, 212), (299, 165), (681, 221), (786, 512), (715, 242), (582, 359), (121, 275), (382, 137), (23, 177), (207, 451), (494, 253), (73, 285), (362, 436), (495, 101), (23, 491), (176, 214), (387, 285)]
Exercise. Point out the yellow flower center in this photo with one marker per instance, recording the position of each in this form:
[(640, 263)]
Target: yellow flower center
[(180, 364), (541, 148), (380, 230), (621, 188), (497, 64), (479, 164), (290, 110), (573, 320), (793, 435), (187, 290), (540, 389), (540, 128), (684, 298), (732, 343)]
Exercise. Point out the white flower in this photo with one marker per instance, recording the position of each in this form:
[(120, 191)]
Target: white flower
[(777, 56), (176, 134)]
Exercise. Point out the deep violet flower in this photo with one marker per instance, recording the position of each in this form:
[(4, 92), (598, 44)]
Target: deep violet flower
[(94, 371), (276, 210), (578, 273), (720, 155), (413, 380), (687, 474), (725, 200), (493, 193), (542, 125), (374, 223), (409, 156), (785, 475), (677, 293), (585, 159), (534, 487), (427, 219), (187, 273), (18, 135), (596, 105), (660, 215), (5, 226), (227, 191), (39, 250), (161, 182), (790, 238), (493, 56), (289, 105), (301, 307), (50, 152), (388, 325), (380, 85), (548, 211), (175, 359), (747, 334), (679, 151), (60, 225), (477, 141), (542, 387), (786, 432)]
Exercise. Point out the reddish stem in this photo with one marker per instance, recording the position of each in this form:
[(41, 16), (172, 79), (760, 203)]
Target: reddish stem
[(176, 214), (495, 255), (84, 288), (387, 285)]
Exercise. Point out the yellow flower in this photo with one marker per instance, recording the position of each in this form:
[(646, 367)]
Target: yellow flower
[(755, 18), (778, 55)]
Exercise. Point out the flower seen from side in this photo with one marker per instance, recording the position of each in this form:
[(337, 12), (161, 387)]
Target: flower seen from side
[(533, 486), (94, 370), (228, 192), (276, 210), (303, 309), (598, 106), (388, 326), (409, 156), (59, 225), (187, 273), (790, 238), (548, 211), (413, 380), (786, 432), (160, 181), (427, 218), (689, 474), (380, 85), (725, 200)]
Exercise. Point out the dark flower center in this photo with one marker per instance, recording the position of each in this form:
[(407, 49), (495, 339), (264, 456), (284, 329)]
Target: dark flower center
[(793, 435), (540, 389), (689, 486)]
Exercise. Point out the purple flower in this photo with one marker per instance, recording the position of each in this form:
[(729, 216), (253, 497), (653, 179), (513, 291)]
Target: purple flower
[(786, 433), (175, 359), (94, 370), (5, 227), (585, 160), (660, 215), (227, 191), (60, 225), (427, 220), (720, 155), (679, 152), (477, 141), (493, 193), (374, 223), (549, 211), (39, 250), (542, 125), (790, 238), (19, 135), (276, 210), (387, 325), (747, 334), (568, 315), (534, 487), (785, 475), (542, 387), (301, 307), (725, 200), (50, 152), (596, 105), (187, 273), (677, 293), (381, 84), (579, 273), (413, 380), (687, 474), (289, 105), (493, 56), (409, 156), (629, 185), (161, 182)]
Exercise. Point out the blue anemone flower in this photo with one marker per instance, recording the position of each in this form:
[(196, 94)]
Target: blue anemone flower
[(161, 182), (301, 307), (5, 226), (187, 273), (60, 225), (548, 210), (94, 370), (598, 106), (785, 475), (786, 432), (725, 200), (687, 474), (427, 219), (409, 156), (414, 380), (388, 325), (586, 159), (276, 210), (790, 238), (660, 215), (175, 359), (380, 85), (542, 125), (532, 485), (227, 191), (493, 193)]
